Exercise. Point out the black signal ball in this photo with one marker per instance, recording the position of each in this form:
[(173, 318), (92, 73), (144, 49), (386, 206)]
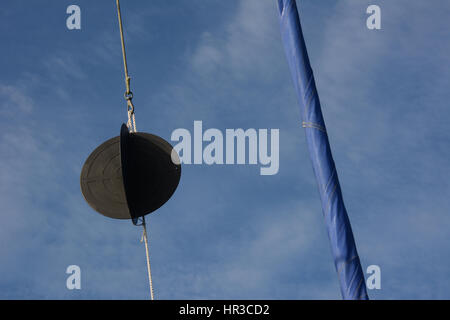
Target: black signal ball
[(130, 176)]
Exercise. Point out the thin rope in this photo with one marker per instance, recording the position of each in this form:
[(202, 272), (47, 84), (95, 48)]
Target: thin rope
[(132, 126), (128, 94), (131, 123), (144, 237), (125, 66)]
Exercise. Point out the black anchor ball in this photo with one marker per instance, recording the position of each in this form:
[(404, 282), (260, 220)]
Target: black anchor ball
[(131, 175)]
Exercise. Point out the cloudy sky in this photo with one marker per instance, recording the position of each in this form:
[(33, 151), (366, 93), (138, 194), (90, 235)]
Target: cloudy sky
[(228, 232)]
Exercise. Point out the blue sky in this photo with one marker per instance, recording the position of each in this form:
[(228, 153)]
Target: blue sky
[(228, 232)]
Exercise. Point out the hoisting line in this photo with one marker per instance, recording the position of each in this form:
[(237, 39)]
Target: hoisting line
[(128, 94), (132, 126), (144, 237)]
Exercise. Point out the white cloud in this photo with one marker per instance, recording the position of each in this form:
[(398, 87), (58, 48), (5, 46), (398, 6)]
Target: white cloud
[(246, 46), (14, 101)]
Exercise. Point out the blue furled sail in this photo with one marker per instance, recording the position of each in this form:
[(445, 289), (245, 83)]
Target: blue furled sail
[(343, 245)]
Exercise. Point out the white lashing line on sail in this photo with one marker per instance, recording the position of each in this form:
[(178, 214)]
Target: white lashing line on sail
[(132, 127)]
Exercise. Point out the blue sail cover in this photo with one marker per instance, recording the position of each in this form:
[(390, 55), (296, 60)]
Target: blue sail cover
[(343, 246)]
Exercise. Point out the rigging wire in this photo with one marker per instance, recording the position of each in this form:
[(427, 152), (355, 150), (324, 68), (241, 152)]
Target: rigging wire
[(132, 126)]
